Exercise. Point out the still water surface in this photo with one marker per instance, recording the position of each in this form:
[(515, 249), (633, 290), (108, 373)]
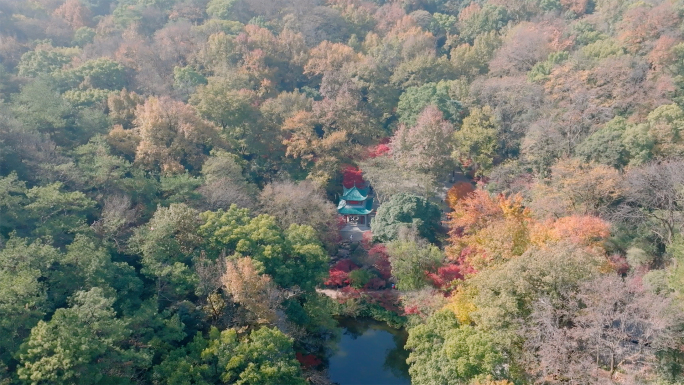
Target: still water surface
[(369, 353)]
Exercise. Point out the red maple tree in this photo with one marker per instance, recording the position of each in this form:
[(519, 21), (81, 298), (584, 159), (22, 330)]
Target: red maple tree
[(338, 275), (352, 176)]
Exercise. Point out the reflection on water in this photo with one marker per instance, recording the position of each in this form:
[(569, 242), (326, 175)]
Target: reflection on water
[(369, 353)]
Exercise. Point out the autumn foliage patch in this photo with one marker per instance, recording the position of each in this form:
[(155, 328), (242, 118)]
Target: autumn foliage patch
[(380, 259), (338, 275), (445, 275), (352, 176)]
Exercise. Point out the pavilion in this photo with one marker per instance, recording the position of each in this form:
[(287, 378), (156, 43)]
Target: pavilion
[(356, 205)]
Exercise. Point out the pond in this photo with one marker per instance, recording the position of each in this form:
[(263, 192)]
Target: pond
[(369, 353)]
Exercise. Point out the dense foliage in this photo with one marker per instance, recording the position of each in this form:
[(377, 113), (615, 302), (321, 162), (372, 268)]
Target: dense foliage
[(169, 169)]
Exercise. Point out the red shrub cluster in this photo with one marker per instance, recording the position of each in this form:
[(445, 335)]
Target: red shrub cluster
[(466, 255), (375, 284), (445, 275), (308, 361), (379, 150), (380, 259), (388, 299), (345, 265), (339, 274), (412, 310), (337, 278)]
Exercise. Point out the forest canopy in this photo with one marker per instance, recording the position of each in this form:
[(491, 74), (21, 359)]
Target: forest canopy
[(170, 171)]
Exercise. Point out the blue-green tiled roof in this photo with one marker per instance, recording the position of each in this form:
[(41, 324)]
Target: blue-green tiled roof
[(345, 209), (354, 194)]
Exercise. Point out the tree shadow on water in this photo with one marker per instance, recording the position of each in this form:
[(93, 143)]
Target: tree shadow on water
[(395, 361)]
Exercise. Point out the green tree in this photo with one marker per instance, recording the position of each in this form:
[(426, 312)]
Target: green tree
[(473, 60), (127, 13), (444, 352), (83, 344), (83, 36), (411, 260), (541, 71), (232, 110), (309, 260), (602, 49), (56, 212), (104, 172), (42, 62), (219, 102), (86, 265), (414, 100), (294, 257), (673, 277), (476, 141), (180, 188), (187, 365), (102, 73), (442, 24), (406, 210), (222, 9), (606, 145), (489, 18), (12, 200), (360, 277), (40, 107), (665, 127), (5, 81), (265, 357), (159, 331), (167, 244), (503, 296), (186, 79), (422, 69), (23, 290), (89, 97), (639, 144)]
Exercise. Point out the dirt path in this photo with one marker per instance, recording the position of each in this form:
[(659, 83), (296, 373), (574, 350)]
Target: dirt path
[(334, 294), (338, 293)]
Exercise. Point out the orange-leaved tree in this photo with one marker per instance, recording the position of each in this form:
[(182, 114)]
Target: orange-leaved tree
[(487, 230), (172, 137), (254, 291), (458, 191)]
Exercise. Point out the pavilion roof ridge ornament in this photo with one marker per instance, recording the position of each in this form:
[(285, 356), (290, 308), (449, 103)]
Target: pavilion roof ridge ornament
[(354, 194), (355, 201)]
